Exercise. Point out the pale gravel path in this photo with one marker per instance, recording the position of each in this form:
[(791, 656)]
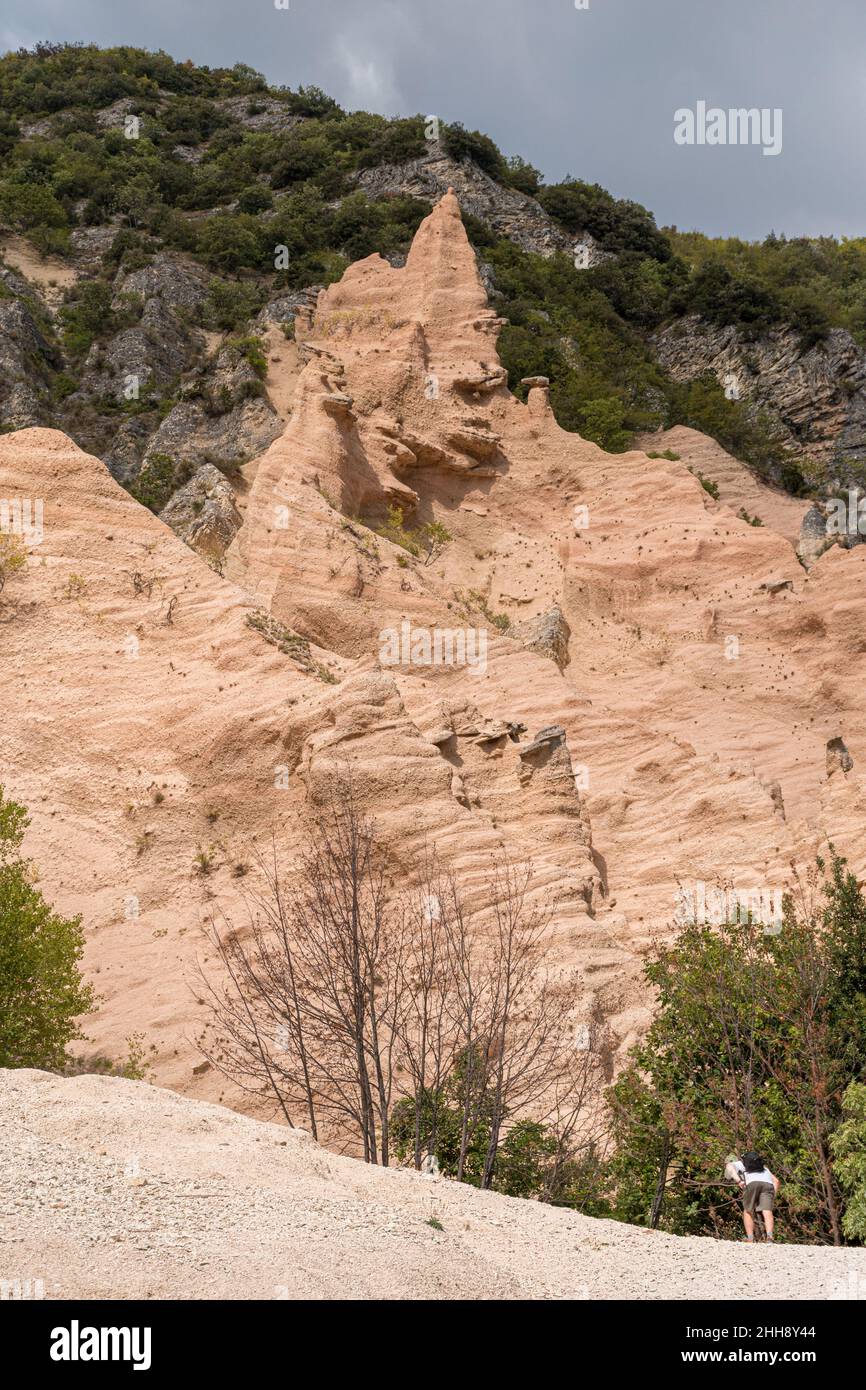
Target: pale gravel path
[(117, 1189)]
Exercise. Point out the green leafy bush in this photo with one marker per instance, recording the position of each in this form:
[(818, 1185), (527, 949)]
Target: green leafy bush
[(460, 143), (13, 558), (848, 1145), (417, 540), (616, 224), (255, 198), (41, 991), (602, 423), (757, 1039), (230, 241), (230, 303), (253, 350), (707, 484), (159, 479), (31, 206), (86, 315)]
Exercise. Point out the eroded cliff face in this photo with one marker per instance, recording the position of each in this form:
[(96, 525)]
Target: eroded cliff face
[(601, 669), (816, 398), (506, 211)]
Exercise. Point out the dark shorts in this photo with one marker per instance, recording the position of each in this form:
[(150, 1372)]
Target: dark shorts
[(759, 1196)]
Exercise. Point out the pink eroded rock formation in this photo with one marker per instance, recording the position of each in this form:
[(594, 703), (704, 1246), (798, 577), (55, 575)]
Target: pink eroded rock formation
[(658, 692)]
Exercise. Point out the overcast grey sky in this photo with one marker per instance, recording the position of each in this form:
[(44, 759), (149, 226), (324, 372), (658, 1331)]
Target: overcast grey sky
[(588, 92)]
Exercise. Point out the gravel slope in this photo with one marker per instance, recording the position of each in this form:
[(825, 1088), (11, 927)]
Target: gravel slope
[(112, 1188)]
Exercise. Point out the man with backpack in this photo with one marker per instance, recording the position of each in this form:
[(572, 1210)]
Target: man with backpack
[(759, 1187)]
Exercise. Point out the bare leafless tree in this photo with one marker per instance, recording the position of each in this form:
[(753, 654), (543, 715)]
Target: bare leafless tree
[(492, 1020), (344, 993), (531, 1012), (306, 1010), (575, 1114), (427, 1036), (351, 939)]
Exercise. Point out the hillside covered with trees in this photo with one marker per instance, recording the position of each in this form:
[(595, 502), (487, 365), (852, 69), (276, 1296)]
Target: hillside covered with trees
[(217, 168)]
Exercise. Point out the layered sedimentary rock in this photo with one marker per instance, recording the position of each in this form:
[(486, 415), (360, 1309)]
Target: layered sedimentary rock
[(507, 211), (517, 643), (816, 397)]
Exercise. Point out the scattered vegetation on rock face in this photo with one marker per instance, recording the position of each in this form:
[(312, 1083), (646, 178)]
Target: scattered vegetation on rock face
[(288, 642), (428, 539), (588, 331), (159, 479), (13, 557), (42, 994), (707, 484), (75, 587), (204, 861), (473, 601), (808, 283), (252, 349)]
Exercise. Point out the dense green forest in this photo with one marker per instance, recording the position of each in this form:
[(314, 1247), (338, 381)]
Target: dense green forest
[(198, 179)]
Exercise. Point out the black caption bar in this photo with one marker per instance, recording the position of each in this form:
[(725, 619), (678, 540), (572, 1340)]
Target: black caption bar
[(151, 1339)]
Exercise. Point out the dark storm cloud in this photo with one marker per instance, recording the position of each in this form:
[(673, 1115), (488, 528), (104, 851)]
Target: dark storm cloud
[(591, 92)]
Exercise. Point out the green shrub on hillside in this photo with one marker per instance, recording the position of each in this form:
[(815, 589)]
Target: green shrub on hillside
[(86, 315), (231, 241), (602, 423), (159, 478), (809, 284), (460, 143), (616, 224), (848, 1145), (757, 1039), (41, 990), (231, 303)]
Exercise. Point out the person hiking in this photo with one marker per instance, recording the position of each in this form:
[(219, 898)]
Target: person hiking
[(759, 1187)]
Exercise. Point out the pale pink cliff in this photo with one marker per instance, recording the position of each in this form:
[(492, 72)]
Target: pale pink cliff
[(683, 670)]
